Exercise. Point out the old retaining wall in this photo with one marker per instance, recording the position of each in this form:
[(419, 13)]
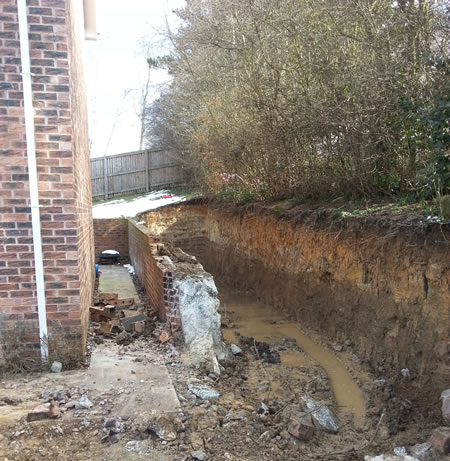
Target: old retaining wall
[(154, 274), (157, 266), (183, 293), (385, 291)]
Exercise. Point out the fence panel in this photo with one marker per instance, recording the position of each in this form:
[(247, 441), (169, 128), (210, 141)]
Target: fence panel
[(97, 177), (164, 169), (134, 172)]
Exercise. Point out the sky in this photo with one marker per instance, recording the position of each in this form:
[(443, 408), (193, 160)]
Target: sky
[(116, 69)]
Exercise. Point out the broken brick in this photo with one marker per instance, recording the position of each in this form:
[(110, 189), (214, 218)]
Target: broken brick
[(111, 328), (99, 314), (164, 337), (108, 298), (38, 413), (124, 302), (53, 410), (138, 327), (301, 428)]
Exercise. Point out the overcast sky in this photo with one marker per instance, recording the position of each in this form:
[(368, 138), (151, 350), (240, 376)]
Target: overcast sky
[(116, 68)]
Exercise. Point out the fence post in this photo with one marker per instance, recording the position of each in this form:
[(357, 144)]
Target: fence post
[(105, 177), (147, 170)]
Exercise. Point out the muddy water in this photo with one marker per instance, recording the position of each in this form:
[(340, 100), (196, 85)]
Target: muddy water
[(253, 319)]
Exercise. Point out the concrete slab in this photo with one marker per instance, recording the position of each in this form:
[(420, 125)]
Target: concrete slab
[(116, 279), (132, 388), (147, 388)]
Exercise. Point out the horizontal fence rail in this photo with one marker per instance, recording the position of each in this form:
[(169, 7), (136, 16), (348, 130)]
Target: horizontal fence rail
[(132, 172)]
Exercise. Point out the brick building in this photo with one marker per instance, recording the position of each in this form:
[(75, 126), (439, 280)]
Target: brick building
[(45, 204)]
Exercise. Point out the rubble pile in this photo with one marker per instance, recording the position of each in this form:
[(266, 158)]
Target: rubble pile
[(221, 417), (56, 403), (251, 406), (123, 319)]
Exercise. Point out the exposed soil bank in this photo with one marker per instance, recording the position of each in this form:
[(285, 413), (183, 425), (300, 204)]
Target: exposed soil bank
[(383, 289)]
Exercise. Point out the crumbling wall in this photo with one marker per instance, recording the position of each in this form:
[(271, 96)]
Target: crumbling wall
[(386, 292), (151, 272), (184, 294)]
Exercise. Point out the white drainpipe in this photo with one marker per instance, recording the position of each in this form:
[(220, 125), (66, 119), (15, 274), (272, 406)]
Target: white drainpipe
[(32, 175)]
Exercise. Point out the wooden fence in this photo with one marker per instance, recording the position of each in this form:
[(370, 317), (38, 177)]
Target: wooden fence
[(133, 172)]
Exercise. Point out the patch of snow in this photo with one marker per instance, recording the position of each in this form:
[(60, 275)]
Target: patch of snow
[(110, 252), (129, 268), (127, 209)]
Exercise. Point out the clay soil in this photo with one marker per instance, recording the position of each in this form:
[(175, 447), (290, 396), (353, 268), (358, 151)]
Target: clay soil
[(227, 428)]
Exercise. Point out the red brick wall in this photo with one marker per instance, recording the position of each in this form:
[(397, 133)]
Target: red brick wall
[(63, 171), (81, 163), (142, 248), (112, 234), (155, 274)]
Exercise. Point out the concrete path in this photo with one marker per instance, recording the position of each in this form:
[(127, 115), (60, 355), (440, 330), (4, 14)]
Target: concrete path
[(147, 387), (134, 380), (116, 279), (132, 387)]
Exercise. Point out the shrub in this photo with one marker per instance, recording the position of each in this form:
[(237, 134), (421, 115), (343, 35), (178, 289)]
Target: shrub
[(313, 98)]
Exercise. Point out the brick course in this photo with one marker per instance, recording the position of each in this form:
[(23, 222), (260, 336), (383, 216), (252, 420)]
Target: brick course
[(112, 234), (156, 274), (63, 171)]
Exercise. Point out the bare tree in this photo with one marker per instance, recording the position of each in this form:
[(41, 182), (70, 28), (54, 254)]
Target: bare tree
[(145, 96)]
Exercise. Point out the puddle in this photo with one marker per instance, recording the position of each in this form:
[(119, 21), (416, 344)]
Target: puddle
[(228, 335), (254, 319)]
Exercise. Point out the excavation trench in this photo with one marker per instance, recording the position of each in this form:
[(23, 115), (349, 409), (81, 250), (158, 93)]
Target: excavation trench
[(356, 309), (357, 295), (360, 282), (253, 319)]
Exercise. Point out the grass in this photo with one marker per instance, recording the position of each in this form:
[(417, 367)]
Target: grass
[(64, 346), (422, 209), (405, 208), (186, 191)]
